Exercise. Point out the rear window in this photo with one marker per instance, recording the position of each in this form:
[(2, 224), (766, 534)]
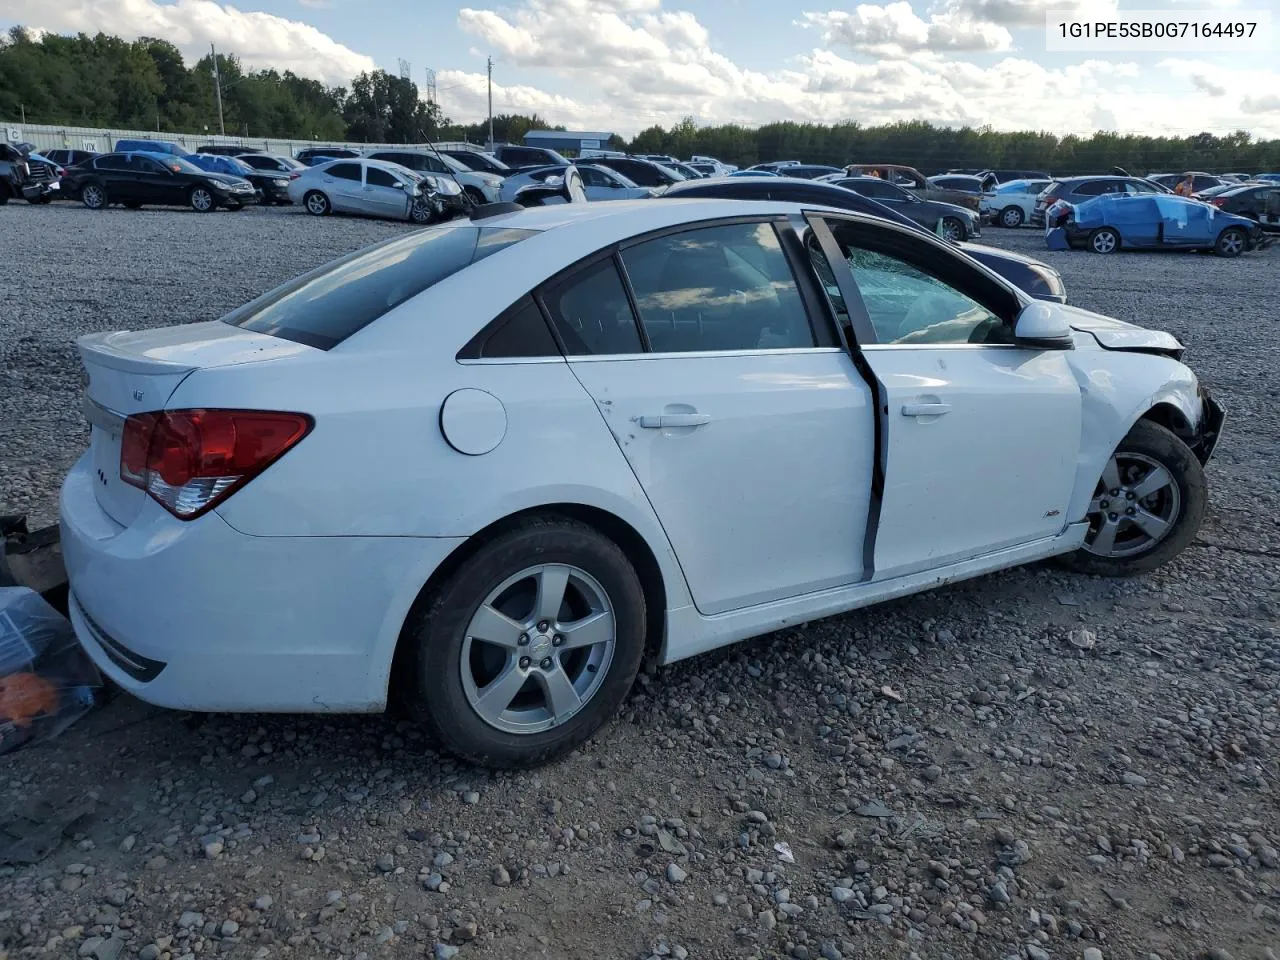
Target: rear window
[(324, 307)]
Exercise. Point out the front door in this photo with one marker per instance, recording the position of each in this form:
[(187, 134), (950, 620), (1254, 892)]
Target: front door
[(751, 435), (980, 437), (157, 184), (384, 194)]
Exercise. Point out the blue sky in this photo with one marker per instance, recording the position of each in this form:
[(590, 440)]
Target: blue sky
[(625, 64)]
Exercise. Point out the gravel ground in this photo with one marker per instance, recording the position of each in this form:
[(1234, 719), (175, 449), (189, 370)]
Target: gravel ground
[(1031, 765)]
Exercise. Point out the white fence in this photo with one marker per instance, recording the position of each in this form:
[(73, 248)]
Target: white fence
[(53, 137)]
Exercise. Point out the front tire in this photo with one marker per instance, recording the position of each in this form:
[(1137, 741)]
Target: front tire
[(317, 204), (1148, 505), (1104, 240), (1231, 242), (1011, 217), (202, 200), (94, 196), (527, 648)]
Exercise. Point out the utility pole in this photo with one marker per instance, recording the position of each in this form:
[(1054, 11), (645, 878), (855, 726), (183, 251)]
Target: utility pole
[(490, 103), (217, 86)]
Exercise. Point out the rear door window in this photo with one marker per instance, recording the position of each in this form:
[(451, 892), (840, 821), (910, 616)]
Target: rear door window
[(592, 312), (324, 307)]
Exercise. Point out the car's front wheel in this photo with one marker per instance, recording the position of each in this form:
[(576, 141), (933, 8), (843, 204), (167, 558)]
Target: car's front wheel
[(1231, 242), (1147, 507), (527, 648), (202, 200), (1011, 217), (1104, 240)]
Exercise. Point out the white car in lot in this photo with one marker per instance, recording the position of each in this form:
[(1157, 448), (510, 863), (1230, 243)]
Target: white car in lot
[(374, 188), (483, 469), (1010, 204), (598, 183)]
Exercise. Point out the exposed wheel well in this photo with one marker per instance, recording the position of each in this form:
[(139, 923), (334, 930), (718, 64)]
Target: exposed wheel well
[(1172, 419), (616, 529)]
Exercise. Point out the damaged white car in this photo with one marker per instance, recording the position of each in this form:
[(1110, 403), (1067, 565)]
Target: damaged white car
[(482, 470)]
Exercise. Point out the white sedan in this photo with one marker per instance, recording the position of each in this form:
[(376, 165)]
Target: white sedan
[(482, 470), (1011, 204), (599, 183), (375, 188)]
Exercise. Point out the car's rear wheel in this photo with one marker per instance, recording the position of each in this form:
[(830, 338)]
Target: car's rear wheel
[(1011, 217), (1147, 507), (953, 228), (1104, 240), (1231, 242), (93, 196), (317, 203), (4, 193), (202, 200), (527, 648)]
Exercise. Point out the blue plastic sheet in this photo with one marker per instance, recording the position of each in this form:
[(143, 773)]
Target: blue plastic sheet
[(1156, 220), (1056, 239)]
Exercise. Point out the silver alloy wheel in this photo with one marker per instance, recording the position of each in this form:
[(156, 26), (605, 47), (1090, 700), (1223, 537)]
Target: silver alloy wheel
[(1134, 508), (201, 200), (420, 211), (1011, 217), (952, 229), (1232, 242), (1104, 241), (92, 196), (317, 204), (538, 648)]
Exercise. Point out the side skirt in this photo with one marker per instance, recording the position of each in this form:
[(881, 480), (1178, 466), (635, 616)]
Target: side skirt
[(689, 633)]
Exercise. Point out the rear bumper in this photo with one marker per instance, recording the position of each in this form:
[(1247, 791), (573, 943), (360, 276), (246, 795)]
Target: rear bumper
[(198, 616)]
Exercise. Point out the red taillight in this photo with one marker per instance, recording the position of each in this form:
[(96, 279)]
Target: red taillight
[(294, 176), (191, 460), (1217, 201)]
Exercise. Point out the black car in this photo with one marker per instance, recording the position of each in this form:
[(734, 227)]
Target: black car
[(478, 161), (517, 157), (1034, 277), (134, 179), (69, 158), (957, 222), (643, 173), (273, 163), (313, 155), (271, 186), (1257, 201)]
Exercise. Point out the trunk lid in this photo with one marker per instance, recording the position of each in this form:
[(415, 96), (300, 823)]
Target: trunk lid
[(137, 372)]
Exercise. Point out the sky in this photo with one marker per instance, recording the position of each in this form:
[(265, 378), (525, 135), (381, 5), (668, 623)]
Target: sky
[(623, 65)]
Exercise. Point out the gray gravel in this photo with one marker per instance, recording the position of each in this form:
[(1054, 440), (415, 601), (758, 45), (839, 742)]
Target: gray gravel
[(1031, 765)]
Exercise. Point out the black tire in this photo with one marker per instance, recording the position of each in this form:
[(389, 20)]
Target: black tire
[(94, 196), (1231, 242), (1104, 240), (428, 682), (1011, 216), (1152, 441), (317, 203), (202, 200), (475, 195), (4, 193), (953, 228)]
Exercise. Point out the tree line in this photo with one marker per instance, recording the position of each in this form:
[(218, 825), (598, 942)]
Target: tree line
[(105, 81)]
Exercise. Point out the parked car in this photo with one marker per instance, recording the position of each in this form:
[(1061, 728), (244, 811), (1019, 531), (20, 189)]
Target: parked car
[(1199, 181), (1267, 176), (643, 173), (518, 157), (961, 190), (774, 166), (809, 171), (1011, 204), (599, 183), (752, 172), (577, 515), (1032, 276), (69, 158), (138, 178), (1077, 190), (271, 187), (151, 146), (225, 149), (955, 222), (480, 187), (684, 169), (1210, 192), (1258, 202), (915, 181), (706, 169), (376, 188), (1159, 222), (312, 156), (273, 163), (13, 172), (478, 161), (43, 182), (1002, 177)]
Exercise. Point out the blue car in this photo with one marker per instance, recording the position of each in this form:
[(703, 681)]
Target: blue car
[(1158, 222), (151, 146), (271, 186)]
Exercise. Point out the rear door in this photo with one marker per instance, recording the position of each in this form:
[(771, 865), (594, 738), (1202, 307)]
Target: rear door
[(344, 183), (118, 177), (750, 432), (1267, 207), (979, 437)]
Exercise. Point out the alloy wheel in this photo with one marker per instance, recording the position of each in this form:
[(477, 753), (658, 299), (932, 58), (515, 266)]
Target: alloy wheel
[(952, 229), (1012, 217), (1134, 507), (317, 204), (538, 648), (1231, 243), (1104, 241), (92, 197), (201, 200)]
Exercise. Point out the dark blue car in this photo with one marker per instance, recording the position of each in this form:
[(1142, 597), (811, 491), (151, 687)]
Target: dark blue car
[(271, 186), (1158, 222)]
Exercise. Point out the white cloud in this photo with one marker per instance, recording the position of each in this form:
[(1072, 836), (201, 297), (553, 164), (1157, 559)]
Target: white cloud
[(1267, 103), (259, 39), (894, 30), (1024, 13)]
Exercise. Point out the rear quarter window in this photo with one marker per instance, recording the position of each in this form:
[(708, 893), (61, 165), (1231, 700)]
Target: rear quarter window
[(324, 307)]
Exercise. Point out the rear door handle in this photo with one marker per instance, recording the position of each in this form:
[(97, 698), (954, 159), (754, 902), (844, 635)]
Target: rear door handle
[(675, 420), (925, 409)]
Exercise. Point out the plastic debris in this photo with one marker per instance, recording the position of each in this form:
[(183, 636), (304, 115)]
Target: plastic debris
[(46, 680), (784, 852)]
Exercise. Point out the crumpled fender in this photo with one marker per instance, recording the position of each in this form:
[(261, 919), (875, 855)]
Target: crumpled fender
[(1117, 389)]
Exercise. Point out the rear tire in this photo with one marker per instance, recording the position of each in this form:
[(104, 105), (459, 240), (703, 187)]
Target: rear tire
[(953, 228), (446, 676), (317, 204), (1011, 217), (1104, 240), (4, 193), (1231, 242), (1171, 503)]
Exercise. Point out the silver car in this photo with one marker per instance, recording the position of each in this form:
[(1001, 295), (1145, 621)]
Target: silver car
[(375, 188)]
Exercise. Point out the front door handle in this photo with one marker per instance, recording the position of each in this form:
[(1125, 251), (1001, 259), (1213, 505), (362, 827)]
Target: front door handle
[(674, 420), (925, 409)]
